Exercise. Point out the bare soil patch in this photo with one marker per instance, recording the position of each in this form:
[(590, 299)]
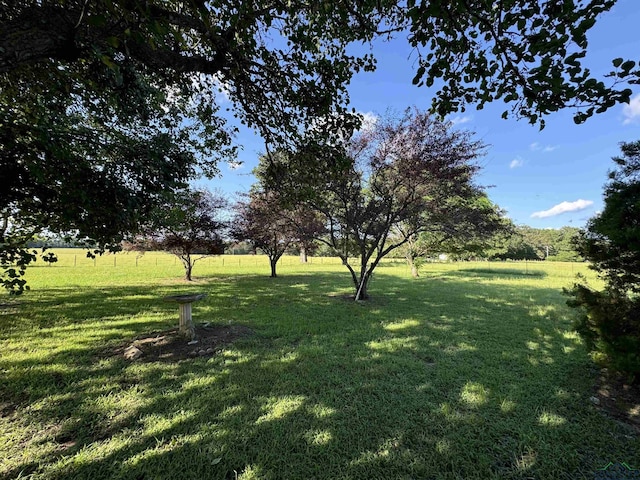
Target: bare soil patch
[(169, 346)]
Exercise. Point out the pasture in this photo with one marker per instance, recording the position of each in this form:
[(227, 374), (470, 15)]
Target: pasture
[(469, 372)]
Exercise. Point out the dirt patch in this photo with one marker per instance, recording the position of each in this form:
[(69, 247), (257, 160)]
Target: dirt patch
[(618, 399), (169, 346)]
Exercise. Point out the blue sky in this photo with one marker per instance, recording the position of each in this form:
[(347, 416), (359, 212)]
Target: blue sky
[(546, 179)]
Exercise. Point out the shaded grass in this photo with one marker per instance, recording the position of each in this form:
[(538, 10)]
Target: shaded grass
[(505, 272), (453, 375)]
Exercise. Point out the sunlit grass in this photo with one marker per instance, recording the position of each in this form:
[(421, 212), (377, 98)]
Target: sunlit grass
[(470, 371)]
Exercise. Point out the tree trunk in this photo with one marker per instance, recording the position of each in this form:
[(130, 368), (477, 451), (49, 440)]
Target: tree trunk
[(273, 262), (414, 270), (38, 34), (188, 266), (303, 255), (411, 261), (361, 291)]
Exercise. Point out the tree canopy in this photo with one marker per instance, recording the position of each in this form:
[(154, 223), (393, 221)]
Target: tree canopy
[(267, 222), (475, 226), (610, 318), (528, 243), (526, 52), (105, 105), (384, 185), (611, 240), (189, 225)]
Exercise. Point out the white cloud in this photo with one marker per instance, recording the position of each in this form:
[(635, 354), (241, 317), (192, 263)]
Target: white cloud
[(536, 147), (631, 112), (460, 120), (235, 165), (516, 162), (563, 207), (369, 120)]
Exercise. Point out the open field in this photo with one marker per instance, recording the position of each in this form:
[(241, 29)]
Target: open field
[(469, 372)]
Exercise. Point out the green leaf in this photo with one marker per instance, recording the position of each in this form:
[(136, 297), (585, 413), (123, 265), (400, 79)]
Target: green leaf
[(108, 62), (113, 41), (97, 20), (628, 65), (418, 75)]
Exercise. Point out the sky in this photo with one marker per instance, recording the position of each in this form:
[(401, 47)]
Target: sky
[(546, 179)]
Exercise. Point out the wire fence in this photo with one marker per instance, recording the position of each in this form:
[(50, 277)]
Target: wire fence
[(78, 258), (132, 259)]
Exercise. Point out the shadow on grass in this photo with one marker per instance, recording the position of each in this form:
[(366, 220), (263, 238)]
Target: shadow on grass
[(504, 272), (434, 378)]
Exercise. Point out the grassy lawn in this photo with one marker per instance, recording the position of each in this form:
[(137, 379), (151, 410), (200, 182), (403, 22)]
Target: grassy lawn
[(470, 371)]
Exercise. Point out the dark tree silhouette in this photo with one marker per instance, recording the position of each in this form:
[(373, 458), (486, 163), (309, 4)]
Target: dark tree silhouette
[(610, 319)]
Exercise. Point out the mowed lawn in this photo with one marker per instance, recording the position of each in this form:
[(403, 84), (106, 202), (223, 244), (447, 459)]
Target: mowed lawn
[(469, 372)]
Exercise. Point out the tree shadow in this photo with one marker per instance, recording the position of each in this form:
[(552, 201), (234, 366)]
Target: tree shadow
[(503, 272), (434, 378)]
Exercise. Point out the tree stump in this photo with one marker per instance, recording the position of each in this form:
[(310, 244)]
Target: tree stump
[(186, 327)]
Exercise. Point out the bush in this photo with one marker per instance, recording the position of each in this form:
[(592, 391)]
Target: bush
[(610, 323), (610, 326)]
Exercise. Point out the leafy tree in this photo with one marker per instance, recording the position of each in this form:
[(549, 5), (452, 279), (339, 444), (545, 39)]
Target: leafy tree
[(610, 318), (15, 253), (476, 222), (527, 53), (306, 222), (90, 158), (189, 225), (105, 105), (563, 247), (378, 189), (513, 247), (308, 226), (269, 224), (528, 243)]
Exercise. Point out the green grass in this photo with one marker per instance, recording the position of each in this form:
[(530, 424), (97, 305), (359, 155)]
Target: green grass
[(467, 372)]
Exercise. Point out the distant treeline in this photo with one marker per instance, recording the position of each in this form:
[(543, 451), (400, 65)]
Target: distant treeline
[(529, 243), (526, 243)]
